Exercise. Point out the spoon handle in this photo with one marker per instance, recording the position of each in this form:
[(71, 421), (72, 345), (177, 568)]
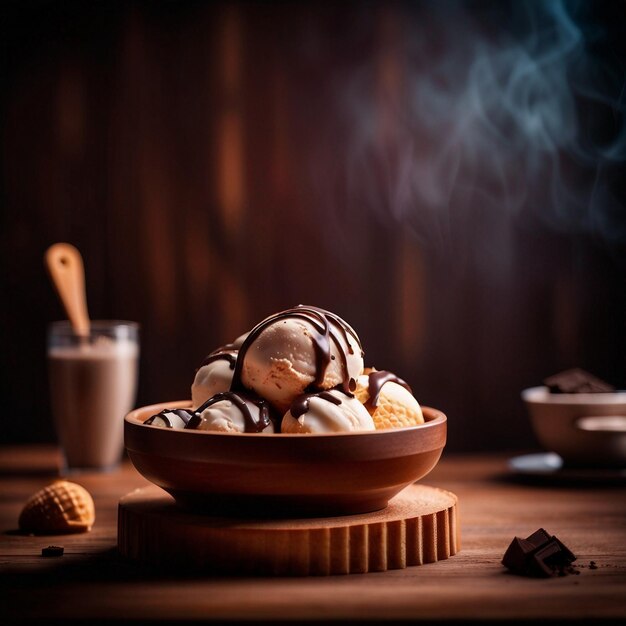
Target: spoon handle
[(66, 269)]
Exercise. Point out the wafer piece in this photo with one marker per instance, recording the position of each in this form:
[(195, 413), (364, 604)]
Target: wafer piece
[(62, 507)]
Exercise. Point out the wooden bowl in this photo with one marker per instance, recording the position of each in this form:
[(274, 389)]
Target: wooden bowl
[(283, 474)]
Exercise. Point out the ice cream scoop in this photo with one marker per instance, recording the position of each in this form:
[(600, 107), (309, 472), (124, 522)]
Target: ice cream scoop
[(170, 418), (232, 412), (326, 412), (215, 373), (301, 349), (388, 399)]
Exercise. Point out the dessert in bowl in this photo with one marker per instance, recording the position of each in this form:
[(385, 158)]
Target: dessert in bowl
[(287, 474), (286, 420), (580, 418)]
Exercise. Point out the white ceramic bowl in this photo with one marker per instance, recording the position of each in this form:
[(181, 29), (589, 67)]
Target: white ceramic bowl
[(585, 429)]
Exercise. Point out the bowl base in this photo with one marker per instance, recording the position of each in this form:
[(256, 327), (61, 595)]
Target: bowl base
[(272, 507), (419, 526)]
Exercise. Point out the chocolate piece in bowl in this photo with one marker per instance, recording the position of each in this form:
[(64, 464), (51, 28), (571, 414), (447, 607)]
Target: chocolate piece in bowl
[(576, 380), (585, 429)]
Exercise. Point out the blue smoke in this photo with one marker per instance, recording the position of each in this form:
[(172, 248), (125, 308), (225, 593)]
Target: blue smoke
[(514, 110)]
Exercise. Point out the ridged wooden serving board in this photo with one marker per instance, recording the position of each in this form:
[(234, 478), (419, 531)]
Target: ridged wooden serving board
[(420, 525)]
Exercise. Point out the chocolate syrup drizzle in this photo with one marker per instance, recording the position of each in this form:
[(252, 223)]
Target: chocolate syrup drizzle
[(225, 353), (184, 415), (324, 334), (240, 400), (375, 383), (300, 405)]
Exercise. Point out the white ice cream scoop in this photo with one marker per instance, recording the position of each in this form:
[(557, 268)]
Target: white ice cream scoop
[(170, 418), (232, 412), (215, 374), (326, 412)]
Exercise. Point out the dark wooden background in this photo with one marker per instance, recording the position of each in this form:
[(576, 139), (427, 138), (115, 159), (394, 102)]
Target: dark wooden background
[(184, 148)]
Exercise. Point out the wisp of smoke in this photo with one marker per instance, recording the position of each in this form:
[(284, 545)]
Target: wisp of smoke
[(516, 113)]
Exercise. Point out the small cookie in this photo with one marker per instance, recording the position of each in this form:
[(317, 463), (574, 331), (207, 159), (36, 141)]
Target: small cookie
[(62, 507)]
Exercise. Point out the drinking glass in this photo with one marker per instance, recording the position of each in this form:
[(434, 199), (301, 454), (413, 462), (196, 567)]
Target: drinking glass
[(93, 382)]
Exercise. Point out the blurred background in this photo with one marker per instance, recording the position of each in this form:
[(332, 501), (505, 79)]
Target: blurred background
[(448, 177)]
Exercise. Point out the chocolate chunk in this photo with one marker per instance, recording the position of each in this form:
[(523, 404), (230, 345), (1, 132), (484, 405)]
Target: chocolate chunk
[(566, 553), (539, 538), (539, 555), (546, 560), (516, 554), (576, 381), (52, 551)]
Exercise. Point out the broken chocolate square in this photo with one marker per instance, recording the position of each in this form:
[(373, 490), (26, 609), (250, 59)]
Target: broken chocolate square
[(546, 560), (538, 538), (539, 555), (515, 556), (576, 381)]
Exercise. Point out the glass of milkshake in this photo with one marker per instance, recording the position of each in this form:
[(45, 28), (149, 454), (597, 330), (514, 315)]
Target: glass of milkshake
[(93, 382)]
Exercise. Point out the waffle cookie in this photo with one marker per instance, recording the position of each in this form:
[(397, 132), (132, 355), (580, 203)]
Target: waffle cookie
[(62, 507)]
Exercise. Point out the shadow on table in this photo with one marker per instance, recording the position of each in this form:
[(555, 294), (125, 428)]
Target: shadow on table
[(547, 469), (563, 480), (105, 566), (70, 574), (30, 472)]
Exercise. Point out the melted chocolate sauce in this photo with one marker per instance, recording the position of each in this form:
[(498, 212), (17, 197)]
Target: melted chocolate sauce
[(324, 334), (184, 415), (225, 353), (301, 404), (376, 382), (241, 401)]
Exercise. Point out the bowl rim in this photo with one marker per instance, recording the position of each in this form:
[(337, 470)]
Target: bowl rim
[(131, 418), (541, 395)]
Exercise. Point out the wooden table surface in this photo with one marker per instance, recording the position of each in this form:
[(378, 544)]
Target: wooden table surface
[(92, 583)]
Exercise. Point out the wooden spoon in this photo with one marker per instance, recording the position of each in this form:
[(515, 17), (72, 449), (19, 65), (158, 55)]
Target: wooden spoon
[(66, 269)]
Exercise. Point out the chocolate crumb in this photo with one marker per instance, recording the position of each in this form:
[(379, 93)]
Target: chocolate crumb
[(52, 551), (539, 555), (592, 565)]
